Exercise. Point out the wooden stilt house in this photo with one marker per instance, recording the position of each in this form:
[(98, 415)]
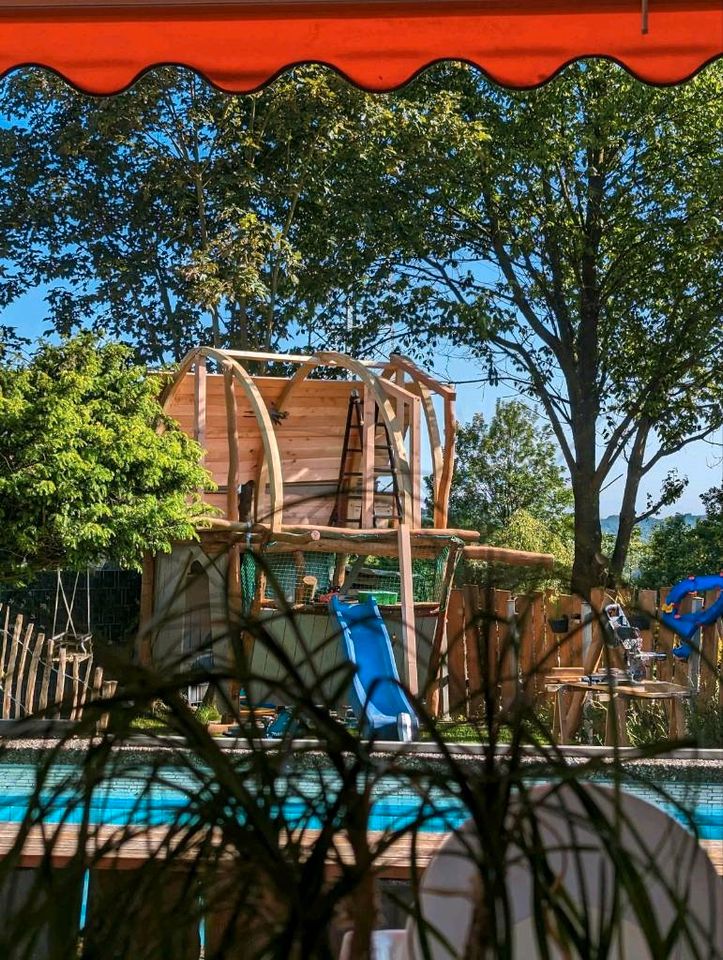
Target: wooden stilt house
[(319, 489)]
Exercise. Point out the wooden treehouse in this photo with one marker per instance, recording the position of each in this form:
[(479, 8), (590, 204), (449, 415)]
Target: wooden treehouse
[(322, 478)]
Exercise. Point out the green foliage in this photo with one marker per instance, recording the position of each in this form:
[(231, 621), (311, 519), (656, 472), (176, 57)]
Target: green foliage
[(207, 713), (676, 549), (573, 250), (86, 475), (505, 469), (174, 214), (509, 486)]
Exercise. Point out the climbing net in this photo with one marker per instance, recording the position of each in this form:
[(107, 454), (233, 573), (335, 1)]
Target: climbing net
[(302, 577)]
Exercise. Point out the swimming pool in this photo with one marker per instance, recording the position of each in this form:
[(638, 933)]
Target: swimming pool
[(127, 799)]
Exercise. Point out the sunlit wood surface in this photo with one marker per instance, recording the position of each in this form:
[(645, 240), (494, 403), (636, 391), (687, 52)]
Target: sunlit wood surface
[(131, 848)]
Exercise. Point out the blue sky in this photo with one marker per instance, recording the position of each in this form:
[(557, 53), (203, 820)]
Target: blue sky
[(700, 462)]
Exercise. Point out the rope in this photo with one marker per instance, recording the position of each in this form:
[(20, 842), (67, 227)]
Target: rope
[(41, 661)]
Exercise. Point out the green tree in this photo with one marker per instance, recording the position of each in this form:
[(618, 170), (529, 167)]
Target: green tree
[(676, 549), (174, 214), (570, 237), (90, 468), (506, 468)]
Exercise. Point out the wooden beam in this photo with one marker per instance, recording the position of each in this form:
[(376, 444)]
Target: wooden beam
[(435, 448), (368, 459), (262, 357), (429, 534), (9, 674), (421, 376), (513, 558), (406, 585), (415, 459), (450, 440), (233, 449), (199, 402)]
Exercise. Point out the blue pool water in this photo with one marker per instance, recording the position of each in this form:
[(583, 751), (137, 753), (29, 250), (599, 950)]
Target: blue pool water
[(126, 800)]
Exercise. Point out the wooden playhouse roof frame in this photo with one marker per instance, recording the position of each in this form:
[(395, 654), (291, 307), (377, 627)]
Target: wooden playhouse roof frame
[(389, 385)]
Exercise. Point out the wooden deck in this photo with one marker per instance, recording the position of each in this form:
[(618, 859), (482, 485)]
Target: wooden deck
[(134, 847)]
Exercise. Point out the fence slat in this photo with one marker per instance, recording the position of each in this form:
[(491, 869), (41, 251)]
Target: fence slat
[(19, 678), (526, 626), (709, 652), (6, 640), (664, 642), (507, 649), (456, 667), (60, 682), (10, 672), (472, 648), (75, 700), (33, 673), (47, 670)]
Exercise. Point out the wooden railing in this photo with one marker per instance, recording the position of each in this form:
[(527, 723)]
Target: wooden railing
[(42, 677), (499, 645)]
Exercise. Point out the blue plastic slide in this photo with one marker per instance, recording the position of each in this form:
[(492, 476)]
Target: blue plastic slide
[(382, 707), (685, 624)]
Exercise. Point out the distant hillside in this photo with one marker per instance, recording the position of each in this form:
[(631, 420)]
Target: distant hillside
[(610, 524)]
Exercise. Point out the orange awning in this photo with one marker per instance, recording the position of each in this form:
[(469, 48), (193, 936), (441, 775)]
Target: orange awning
[(239, 45)]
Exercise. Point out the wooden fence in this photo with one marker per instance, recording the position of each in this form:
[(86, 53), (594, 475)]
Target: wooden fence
[(41, 676), (499, 645)]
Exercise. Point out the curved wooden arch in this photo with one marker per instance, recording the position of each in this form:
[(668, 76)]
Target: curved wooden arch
[(442, 451), (271, 456), (331, 358)]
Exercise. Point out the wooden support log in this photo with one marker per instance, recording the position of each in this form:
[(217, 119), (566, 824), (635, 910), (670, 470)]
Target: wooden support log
[(409, 635), (513, 558), (5, 639), (47, 670), (260, 532), (430, 534), (60, 682), (10, 671), (33, 673), (19, 679)]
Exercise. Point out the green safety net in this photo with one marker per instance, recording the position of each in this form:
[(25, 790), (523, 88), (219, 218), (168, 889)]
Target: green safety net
[(379, 575)]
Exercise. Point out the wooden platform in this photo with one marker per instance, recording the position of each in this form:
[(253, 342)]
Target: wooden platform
[(139, 845)]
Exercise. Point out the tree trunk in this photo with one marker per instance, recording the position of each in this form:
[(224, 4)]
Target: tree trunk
[(627, 509), (588, 566)]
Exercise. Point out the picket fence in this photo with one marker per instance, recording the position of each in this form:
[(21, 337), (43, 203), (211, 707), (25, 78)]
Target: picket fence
[(499, 645), (43, 677)]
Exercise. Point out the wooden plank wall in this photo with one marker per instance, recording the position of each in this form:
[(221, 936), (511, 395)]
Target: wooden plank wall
[(310, 438), (482, 639), (40, 678)]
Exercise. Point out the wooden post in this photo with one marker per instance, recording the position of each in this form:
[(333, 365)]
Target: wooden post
[(10, 672), (472, 646), (33, 672), (19, 679), (589, 665), (5, 639), (76, 689), (457, 673), (409, 635), (438, 673), (199, 403), (450, 439), (509, 656), (47, 670), (60, 682), (233, 582), (415, 460), (367, 460)]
